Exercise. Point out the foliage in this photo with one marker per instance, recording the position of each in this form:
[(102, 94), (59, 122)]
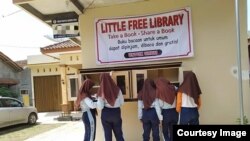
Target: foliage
[(245, 120), (4, 91)]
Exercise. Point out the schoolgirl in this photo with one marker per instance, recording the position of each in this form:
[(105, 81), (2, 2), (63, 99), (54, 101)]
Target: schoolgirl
[(85, 101), (110, 99), (166, 93), (149, 111), (189, 100)]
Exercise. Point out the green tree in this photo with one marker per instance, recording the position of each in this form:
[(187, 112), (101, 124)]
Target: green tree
[(4, 91)]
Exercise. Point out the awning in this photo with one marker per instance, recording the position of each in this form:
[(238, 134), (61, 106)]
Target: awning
[(8, 81)]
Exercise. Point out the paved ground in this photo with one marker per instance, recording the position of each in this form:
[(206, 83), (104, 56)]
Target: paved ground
[(72, 130)]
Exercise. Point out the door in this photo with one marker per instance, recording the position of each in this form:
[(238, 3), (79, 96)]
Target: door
[(48, 95), (16, 112), (121, 78), (138, 77), (5, 115)]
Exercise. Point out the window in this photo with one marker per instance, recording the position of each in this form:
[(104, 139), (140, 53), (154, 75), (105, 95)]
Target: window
[(121, 83), (138, 77), (121, 78), (130, 79), (10, 103), (73, 87), (95, 77), (24, 92)]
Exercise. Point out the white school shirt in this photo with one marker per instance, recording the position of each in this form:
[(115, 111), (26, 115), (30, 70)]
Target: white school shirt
[(101, 103), (87, 104), (165, 105), (188, 101), (155, 105)]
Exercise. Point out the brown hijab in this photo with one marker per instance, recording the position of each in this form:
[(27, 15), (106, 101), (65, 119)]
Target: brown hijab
[(190, 86), (84, 92), (165, 90), (108, 89), (148, 93)]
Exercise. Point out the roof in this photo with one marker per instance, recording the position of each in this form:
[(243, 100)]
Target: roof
[(8, 81), (5, 59), (64, 46), (22, 63), (48, 10)]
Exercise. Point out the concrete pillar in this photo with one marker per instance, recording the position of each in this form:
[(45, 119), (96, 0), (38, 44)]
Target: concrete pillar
[(65, 106)]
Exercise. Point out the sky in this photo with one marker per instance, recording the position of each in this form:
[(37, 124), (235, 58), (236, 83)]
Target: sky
[(22, 35)]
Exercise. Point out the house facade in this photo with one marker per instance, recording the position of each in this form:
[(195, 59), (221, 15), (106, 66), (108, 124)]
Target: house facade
[(50, 73), (25, 83), (10, 74)]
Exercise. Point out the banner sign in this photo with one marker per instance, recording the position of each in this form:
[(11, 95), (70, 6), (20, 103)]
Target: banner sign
[(65, 28), (144, 38)]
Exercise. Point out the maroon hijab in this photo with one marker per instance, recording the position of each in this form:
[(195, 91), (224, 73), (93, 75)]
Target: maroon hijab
[(147, 94), (84, 91), (165, 90), (108, 89), (190, 85)]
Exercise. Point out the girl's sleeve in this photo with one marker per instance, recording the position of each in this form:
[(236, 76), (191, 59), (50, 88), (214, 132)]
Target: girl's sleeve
[(100, 103), (178, 102), (158, 109), (140, 106), (90, 103), (121, 98)]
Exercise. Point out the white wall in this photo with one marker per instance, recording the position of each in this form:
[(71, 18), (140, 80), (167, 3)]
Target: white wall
[(40, 59)]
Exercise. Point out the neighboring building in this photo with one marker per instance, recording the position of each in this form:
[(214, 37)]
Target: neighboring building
[(50, 73), (10, 73), (25, 83)]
